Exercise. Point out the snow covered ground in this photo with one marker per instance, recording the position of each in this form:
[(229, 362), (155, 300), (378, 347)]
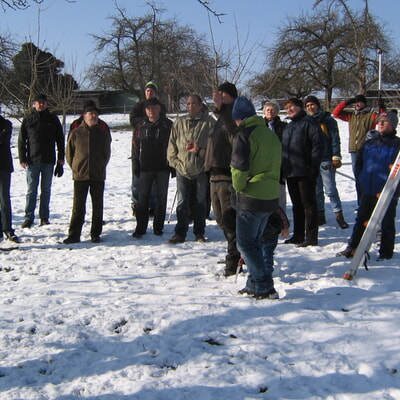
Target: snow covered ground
[(132, 319)]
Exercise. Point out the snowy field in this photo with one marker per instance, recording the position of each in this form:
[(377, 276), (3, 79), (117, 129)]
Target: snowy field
[(131, 319)]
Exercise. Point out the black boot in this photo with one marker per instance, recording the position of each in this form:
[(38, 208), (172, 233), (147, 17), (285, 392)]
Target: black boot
[(340, 220), (321, 218)]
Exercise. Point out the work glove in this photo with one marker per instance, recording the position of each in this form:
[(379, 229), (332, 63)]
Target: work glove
[(58, 171)]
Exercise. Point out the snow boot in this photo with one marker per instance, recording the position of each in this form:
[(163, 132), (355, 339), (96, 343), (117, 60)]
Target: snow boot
[(321, 218), (340, 220)]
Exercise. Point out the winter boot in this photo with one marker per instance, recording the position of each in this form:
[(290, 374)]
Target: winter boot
[(340, 220), (321, 218)]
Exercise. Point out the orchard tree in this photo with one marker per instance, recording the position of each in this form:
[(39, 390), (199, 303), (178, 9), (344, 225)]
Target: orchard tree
[(7, 50), (138, 49), (331, 48)]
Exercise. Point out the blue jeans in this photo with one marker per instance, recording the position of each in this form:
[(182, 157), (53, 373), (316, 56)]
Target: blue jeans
[(34, 173), (147, 181), (326, 182), (249, 230), (268, 249), (135, 191), (195, 191), (5, 202)]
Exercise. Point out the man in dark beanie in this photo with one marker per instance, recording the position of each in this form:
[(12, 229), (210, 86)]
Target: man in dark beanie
[(136, 117), (361, 120), (302, 146), (40, 133), (331, 160), (217, 164)]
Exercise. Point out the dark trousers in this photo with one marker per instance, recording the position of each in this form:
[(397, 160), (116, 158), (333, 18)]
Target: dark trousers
[(185, 188), (225, 216), (5, 202), (81, 189), (302, 191), (146, 181), (388, 230)]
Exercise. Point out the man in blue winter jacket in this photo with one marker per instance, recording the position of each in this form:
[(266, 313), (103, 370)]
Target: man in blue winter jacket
[(372, 168)]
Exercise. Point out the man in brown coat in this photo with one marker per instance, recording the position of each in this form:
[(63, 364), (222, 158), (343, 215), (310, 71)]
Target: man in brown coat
[(88, 152)]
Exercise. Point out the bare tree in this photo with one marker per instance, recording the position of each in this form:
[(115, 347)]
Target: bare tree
[(317, 50), (365, 38), (22, 4), (7, 51), (138, 49)]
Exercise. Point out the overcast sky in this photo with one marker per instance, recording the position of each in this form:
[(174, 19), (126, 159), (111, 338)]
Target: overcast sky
[(65, 26)]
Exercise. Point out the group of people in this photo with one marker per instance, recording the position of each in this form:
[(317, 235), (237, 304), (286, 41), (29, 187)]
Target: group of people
[(238, 161)]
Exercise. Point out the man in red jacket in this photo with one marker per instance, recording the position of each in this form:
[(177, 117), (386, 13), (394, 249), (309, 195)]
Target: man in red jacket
[(361, 120)]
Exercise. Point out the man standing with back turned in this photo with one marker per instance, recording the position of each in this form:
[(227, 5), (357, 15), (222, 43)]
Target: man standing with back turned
[(255, 166)]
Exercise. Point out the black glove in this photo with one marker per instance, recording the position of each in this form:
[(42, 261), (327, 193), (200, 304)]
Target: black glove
[(350, 101), (58, 170)]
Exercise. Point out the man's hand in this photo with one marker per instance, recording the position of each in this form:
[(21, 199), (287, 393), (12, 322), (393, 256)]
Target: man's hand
[(192, 147), (217, 98)]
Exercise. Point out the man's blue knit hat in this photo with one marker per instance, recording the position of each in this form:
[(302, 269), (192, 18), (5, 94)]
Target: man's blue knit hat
[(243, 108)]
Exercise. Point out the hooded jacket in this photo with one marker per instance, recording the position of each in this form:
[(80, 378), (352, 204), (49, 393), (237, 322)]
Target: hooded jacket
[(39, 133), (374, 161), (88, 152), (255, 166)]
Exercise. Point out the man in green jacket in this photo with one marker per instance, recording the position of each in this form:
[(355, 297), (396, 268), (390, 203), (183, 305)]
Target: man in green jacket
[(88, 153), (255, 167)]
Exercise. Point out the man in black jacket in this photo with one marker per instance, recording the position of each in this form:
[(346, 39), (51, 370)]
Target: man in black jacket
[(302, 147), (40, 132), (6, 168), (150, 143), (136, 116)]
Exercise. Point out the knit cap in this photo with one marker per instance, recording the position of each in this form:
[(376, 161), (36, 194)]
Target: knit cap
[(229, 88), (151, 84), (40, 97), (361, 98), (243, 108), (390, 116), (312, 99)]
